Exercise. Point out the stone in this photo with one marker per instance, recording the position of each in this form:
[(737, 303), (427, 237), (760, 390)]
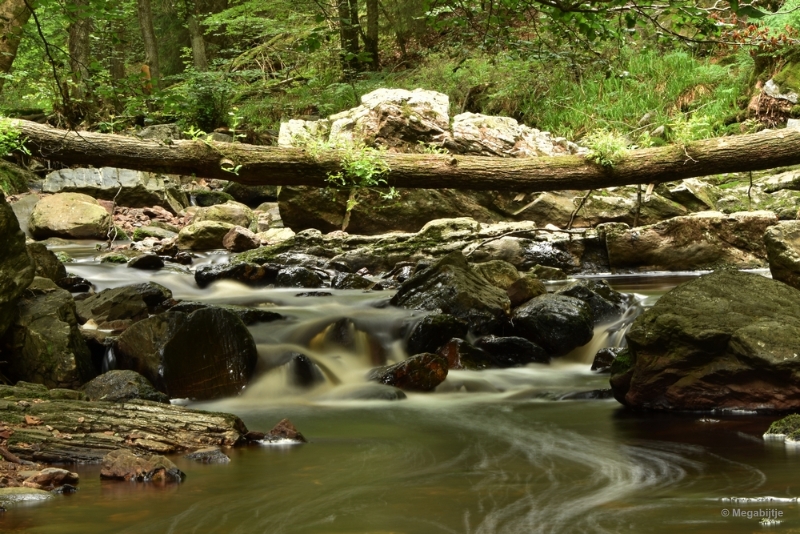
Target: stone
[(203, 235), (485, 135), (134, 189), (512, 351), (205, 198), (74, 284), (303, 372), (604, 359), (15, 179), (783, 252), (230, 212), (209, 455), (44, 344), (451, 286), (164, 133), (297, 276), (134, 302), (150, 262), (422, 372), (46, 262), (543, 272), (549, 208), (461, 354), (704, 240), (285, 429), (524, 289), (23, 495), (606, 304), (247, 314), (16, 266), (51, 478), (499, 273), (556, 323), (724, 341), (153, 231), (239, 239), (206, 354), (124, 465), (695, 194), (433, 331), (69, 215), (252, 195), (246, 273), (119, 385), (621, 205), (366, 392), (350, 281), (273, 236)]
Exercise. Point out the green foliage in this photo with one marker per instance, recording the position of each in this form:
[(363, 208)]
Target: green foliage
[(606, 148), (693, 128), (11, 139), (361, 166)]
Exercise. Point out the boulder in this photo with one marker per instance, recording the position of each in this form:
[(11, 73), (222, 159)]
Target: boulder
[(724, 341), (206, 354), (51, 478), (484, 135), (422, 372), (249, 315), (606, 304), (230, 212), (297, 276), (512, 351), (604, 359), (350, 281), (153, 231), (433, 331), (620, 205), (246, 273), (203, 235), (46, 262), (451, 286), (122, 464), (239, 239), (134, 189), (273, 236), (704, 240), (165, 133), (16, 267), (783, 252), (524, 289), (119, 386), (252, 195), (556, 323), (499, 273), (284, 429), (14, 179), (44, 344), (69, 215), (208, 455), (303, 372), (148, 262), (205, 198), (127, 303), (461, 354)]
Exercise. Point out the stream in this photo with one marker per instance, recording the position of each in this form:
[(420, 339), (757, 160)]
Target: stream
[(489, 452)]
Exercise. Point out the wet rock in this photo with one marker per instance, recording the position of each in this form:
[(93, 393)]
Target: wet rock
[(206, 354), (125, 187), (451, 286), (461, 354), (203, 235), (543, 272), (433, 331), (16, 266), (783, 251), (47, 263), (524, 289), (150, 262), (422, 372), (606, 304), (350, 281), (499, 273), (23, 495), (230, 212), (786, 429), (726, 340), (604, 358), (314, 294), (303, 372), (44, 344), (239, 239), (246, 273), (119, 385), (205, 198), (74, 284), (152, 231), (69, 215), (297, 276), (247, 314), (209, 455), (124, 465), (512, 351), (704, 240), (51, 478), (134, 303), (284, 430), (556, 323), (366, 392)]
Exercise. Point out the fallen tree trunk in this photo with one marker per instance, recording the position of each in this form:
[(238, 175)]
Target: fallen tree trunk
[(259, 165)]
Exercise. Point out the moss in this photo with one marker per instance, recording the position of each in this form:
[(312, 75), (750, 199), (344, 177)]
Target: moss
[(114, 258), (788, 426), (122, 235), (622, 363), (141, 233), (266, 254), (788, 79), (63, 257)]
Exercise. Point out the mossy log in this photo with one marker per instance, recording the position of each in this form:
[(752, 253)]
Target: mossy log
[(260, 165), (43, 426)]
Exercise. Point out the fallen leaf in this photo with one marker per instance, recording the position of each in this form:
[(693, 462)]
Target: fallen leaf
[(31, 420), (81, 419)]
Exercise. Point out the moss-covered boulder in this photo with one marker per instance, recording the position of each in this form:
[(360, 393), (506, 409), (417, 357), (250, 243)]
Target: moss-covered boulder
[(14, 179), (16, 266), (47, 263), (727, 340), (231, 212), (44, 344), (499, 273), (203, 235), (69, 215), (783, 251), (122, 385), (126, 303)]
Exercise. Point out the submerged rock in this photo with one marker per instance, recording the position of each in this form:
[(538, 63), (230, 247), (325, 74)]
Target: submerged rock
[(422, 372), (557, 323), (209, 455), (604, 359), (727, 340), (246, 273)]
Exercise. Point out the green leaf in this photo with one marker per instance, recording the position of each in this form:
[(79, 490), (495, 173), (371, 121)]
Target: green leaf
[(750, 12)]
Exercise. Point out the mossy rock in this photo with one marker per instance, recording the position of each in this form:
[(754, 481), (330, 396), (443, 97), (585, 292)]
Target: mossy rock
[(205, 198), (784, 427), (788, 79), (14, 179)]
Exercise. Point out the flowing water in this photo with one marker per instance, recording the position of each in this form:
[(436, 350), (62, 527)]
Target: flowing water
[(488, 452)]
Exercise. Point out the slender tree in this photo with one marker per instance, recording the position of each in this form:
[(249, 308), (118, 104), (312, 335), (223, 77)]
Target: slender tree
[(145, 14), (371, 37), (80, 28), (13, 16)]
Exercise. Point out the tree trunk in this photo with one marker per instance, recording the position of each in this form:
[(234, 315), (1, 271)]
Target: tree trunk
[(149, 37), (13, 16), (79, 29), (371, 37), (198, 41), (263, 165), (348, 33)]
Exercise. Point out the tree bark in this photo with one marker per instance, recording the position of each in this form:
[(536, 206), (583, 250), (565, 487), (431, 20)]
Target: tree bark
[(79, 29), (198, 44), (13, 16), (145, 14), (371, 37), (260, 165), (348, 33)]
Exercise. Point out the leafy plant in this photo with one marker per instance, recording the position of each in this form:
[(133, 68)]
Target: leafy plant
[(11, 139), (606, 148)]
